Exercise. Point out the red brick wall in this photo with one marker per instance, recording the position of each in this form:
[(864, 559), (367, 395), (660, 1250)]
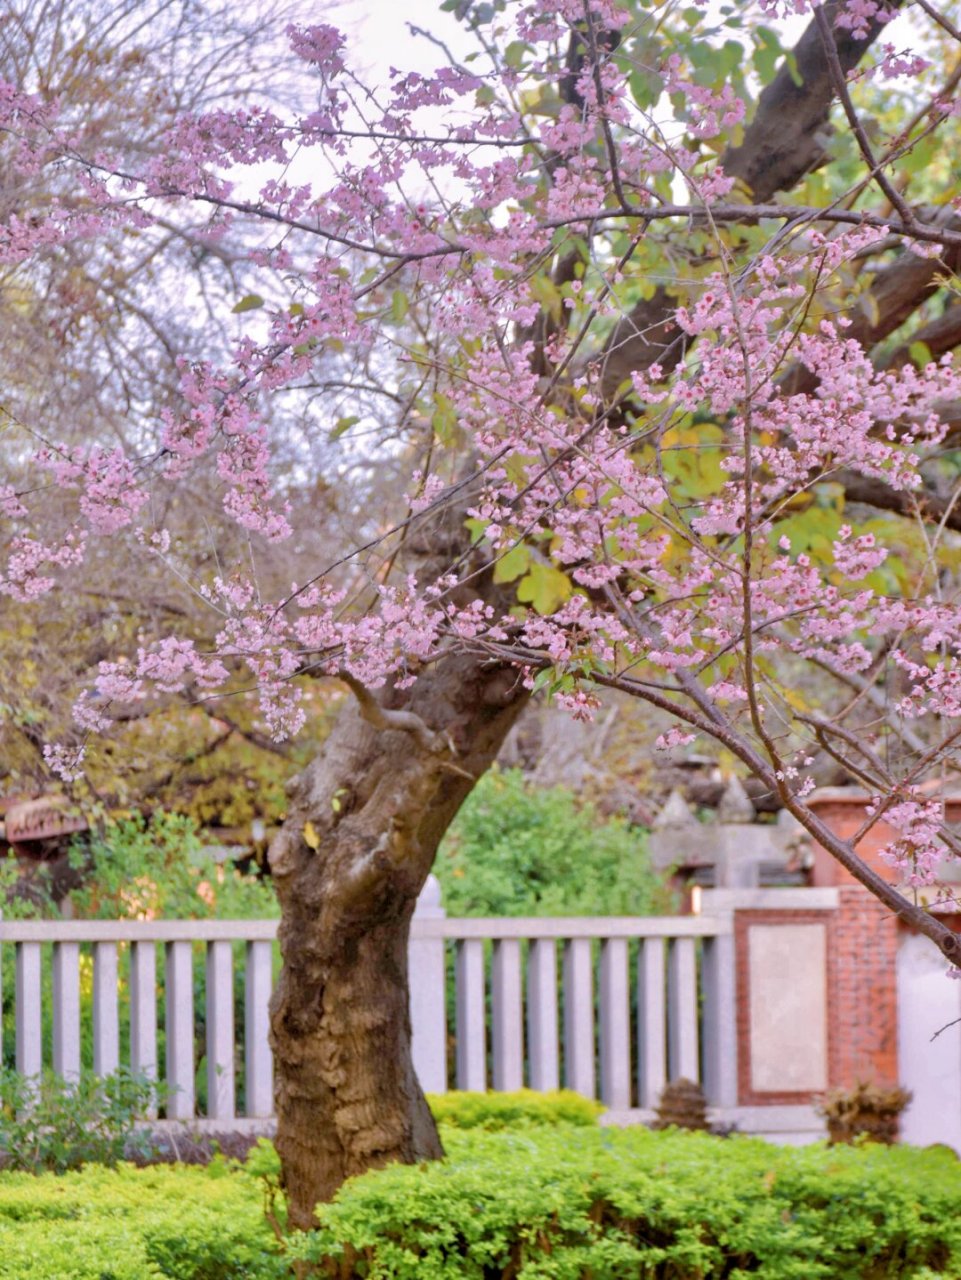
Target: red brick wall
[(863, 999), (844, 814), (864, 1003)]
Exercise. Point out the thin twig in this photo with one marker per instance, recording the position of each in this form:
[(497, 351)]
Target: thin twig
[(840, 84)]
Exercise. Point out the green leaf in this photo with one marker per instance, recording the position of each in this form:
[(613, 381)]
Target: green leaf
[(545, 587), (510, 566), (398, 306), (767, 52), (248, 303), (477, 529), (444, 420), (920, 354), (514, 54), (542, 679), (343, 425)]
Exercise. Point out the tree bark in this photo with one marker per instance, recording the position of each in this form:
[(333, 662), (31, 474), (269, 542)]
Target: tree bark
[(364, 823)]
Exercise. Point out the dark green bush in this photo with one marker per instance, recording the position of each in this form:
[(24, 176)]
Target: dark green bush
[(493, 1111), (52, 1124), (519, 850)]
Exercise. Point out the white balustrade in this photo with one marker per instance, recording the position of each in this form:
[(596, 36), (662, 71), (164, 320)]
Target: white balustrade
[(507, 1015), (542, 1038), (29, 1011), (180, 1030), (471, 1019), (259, 1072), (615, 1024), (651, 1022), (143, 1009), (220, 1031), (66, 1009), (682, 1038), (579, 1016), (427, 965), (106, 1024), (515, 1024), (720, 1020)]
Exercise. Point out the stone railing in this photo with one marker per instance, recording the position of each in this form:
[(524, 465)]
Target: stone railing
[(610, 1007)]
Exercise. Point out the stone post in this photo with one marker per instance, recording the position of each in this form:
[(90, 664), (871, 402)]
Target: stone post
[(428, 981)]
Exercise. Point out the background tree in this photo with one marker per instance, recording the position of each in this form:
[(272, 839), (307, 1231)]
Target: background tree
[(654, 309)]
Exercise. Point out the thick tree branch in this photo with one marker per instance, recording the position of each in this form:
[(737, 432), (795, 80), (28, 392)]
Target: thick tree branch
[(384, 718), (787, 137), (784, 141), (913, 503)]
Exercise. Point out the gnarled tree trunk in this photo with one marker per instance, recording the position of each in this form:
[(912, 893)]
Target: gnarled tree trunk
[(364, 823)]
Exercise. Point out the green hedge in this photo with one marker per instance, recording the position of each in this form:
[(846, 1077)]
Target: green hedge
[(135, 1224), (494, 1111), (565, 1203), (572, 1203)]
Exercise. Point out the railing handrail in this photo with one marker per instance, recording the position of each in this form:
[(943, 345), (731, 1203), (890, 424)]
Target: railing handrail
[(138, 930), (494, 928), (564, 927)]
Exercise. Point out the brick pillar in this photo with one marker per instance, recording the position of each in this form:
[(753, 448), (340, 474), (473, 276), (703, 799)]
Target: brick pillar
[(863, 1002), (863, 1005)]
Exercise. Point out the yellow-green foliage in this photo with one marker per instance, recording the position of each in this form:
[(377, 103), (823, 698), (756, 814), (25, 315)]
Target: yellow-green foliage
[(134, 1224), (564, 1202), (579, 1203), (494, 1111)]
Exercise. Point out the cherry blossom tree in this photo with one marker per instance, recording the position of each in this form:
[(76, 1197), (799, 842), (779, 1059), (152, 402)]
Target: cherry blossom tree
[(657, 313)]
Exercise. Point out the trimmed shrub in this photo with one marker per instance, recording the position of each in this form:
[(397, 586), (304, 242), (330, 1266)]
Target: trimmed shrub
[(575, 1202), (135, 1224), (570, 1202), (867, 1111), (494, 1111), (683, 1105)]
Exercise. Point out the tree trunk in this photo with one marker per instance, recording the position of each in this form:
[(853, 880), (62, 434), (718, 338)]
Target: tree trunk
[(364, 823)]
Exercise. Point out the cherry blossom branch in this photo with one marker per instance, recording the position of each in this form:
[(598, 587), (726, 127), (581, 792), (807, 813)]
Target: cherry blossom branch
[(917, 917)]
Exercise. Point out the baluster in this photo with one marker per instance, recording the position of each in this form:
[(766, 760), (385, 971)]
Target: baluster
[(29, 1051), (179, 993), (427, 967), (507, 1024), (615, 1010), (542, 1014), (258, 1060), (651, 1022), (143, 1012), (579, 1017), (682, 1046), (220, 1031), (471, 1029), (106, 1027), (66, 1009), (720, 1021)]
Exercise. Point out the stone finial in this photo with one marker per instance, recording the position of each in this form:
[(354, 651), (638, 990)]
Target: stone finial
[(429, 903), (735, 804), (676, 813)]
